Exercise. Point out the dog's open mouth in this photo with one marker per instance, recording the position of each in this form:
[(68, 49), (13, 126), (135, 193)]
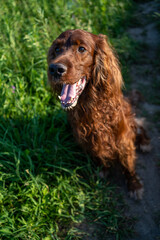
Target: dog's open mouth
[(70, 93)]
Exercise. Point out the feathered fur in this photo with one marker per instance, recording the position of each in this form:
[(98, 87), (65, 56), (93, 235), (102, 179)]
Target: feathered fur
[(102, 121)]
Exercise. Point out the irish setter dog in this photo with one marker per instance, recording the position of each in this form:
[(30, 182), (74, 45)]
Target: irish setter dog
[(84, 71)]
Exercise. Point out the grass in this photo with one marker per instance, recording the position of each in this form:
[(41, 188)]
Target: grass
[(48, 187)]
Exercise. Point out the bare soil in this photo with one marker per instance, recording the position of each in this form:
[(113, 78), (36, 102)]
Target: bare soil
[(145, 74)]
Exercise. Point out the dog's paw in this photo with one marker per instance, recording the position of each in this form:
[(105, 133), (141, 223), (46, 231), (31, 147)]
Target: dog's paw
[(135, 188), (145, 147), (136, 194)]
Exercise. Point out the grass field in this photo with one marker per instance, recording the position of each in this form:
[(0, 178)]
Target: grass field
[(48, 187)]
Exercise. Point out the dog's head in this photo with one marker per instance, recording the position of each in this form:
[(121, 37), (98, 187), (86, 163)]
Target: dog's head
[(75, 58)]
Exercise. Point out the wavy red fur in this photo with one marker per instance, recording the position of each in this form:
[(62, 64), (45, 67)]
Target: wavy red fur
[(102, 121)]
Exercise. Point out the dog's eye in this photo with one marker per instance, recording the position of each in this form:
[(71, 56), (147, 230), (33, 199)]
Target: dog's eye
[(81, 49), (57, 49)]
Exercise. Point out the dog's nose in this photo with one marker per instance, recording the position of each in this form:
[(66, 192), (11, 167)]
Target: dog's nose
[(57, 70)]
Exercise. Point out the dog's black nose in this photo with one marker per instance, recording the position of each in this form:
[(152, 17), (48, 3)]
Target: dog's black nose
[(57, 70)]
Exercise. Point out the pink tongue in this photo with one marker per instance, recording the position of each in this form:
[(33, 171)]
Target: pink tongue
[(68, 92)]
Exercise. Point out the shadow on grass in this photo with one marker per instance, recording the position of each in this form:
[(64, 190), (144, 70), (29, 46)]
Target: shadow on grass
[(48, 187)]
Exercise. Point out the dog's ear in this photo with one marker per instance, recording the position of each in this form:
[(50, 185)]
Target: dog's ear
[(106, 71)]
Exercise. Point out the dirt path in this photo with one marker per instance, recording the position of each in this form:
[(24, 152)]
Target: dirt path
[(145, 75)]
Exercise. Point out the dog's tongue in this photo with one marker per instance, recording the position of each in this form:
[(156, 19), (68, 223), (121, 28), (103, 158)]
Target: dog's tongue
[(68, 92)]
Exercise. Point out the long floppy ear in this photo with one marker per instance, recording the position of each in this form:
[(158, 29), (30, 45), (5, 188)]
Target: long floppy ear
[(106, 71)]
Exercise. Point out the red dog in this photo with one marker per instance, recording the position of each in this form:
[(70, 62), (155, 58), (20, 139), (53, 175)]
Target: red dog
[(84, 70)]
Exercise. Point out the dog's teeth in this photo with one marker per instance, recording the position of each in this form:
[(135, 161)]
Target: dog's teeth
[(72, 101)]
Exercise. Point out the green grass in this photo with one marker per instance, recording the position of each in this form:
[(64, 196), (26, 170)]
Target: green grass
[(48, 186)]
